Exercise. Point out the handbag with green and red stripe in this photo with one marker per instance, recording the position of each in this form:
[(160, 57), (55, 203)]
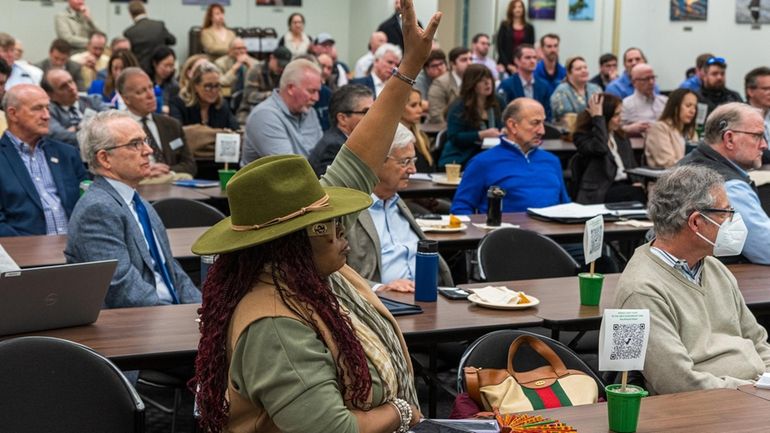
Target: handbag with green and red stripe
[(549, 386)]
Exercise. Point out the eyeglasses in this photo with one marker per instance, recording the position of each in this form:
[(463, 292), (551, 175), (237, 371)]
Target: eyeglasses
[(333, 226), (716, 61), (759, 136), (209, 86), (730, 211), (361, 112), (406, 162), (135, 144)]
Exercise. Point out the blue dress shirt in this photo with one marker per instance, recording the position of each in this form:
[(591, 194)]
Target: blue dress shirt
[(397, 240)]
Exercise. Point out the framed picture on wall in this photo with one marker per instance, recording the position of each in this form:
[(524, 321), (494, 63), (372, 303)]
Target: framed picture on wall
[(582, 10), (752, 12), (689, 10), (542, 9), (205, 2), (279, 2)]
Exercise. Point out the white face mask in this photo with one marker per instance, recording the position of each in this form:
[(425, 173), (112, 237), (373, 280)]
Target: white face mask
[(730, 237)]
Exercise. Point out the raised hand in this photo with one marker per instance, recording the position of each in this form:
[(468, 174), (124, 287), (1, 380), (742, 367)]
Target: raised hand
[(417, 42)]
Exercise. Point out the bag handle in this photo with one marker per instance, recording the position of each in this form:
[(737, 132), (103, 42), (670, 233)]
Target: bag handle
[(472, 384), (542, 349)]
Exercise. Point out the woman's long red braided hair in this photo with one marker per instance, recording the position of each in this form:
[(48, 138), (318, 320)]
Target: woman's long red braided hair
[(295, 276)]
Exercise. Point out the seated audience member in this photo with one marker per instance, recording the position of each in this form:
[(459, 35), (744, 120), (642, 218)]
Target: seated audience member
[(603, 154), (411, 119), (666, 141), (93, 59), (40, 177), (145, 34), (479, 52), (74, 24), (164, 134), (160, 69), (364, 63), (644, 106), (713, 92), (20, 73), (189, 66), (106, 88), (387, 57), (383, 241), (444, 89), (59, 58), (5, 72), (201, 101), (757, 88), (523, 82), (261, 80), (112, 221), (474, 116), (215, 36), (234, 66), (704, 335), (623, 86), (733, 142), (120, 43), (67, 109), (433, 68), (321, 107), (347, 107), (530, 176), (572, 95), (285, 123), (608, 70), (324, 44), (295, 40), (695, 82), (513, 32), (548, 69)]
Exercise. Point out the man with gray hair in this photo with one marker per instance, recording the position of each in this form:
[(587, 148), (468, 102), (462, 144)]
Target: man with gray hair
[(364, 63), (702, 335), (285, 123), (111, 221), (387, 57), (733, 143)]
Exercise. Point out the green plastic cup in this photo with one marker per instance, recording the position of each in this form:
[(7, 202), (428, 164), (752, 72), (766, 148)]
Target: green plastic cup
[(224, 177), (623, 407), (590, 288)]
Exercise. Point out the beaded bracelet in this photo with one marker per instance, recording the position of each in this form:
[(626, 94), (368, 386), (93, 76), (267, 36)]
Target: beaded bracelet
[(404, 411), (402, 77)]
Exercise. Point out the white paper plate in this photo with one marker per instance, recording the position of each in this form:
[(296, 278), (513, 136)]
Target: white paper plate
[(442, 180), (439, 229), (481, 303)]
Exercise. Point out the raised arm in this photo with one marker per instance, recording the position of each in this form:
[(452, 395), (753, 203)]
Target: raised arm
[(372, 138)]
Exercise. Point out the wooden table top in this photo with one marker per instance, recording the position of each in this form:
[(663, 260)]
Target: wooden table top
[(418, 188), (159, 192), (33, 251), (757, 392), (716, 410)]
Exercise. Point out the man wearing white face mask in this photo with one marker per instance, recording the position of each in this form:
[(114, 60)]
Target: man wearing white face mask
[(702, 335), (734, 140)]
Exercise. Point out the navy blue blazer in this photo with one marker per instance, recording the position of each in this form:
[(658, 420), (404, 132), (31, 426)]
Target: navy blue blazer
[(366, 81), (21, 211), (511, 88)]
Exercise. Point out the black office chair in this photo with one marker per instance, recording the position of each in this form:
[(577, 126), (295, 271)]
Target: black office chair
[(491, 351), (54, 385), (438, 147), (182, 212), (194, 41), (513, 254), (552, 132)]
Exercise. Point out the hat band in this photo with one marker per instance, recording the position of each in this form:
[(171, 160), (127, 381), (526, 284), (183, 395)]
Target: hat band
[(319, 204)]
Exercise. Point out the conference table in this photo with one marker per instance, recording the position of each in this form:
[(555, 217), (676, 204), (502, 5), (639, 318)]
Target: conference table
[(157, 192)]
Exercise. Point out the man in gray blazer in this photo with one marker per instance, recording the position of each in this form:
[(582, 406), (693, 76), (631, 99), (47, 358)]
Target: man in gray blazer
[(111, 221), (67, 109), (383, 241)]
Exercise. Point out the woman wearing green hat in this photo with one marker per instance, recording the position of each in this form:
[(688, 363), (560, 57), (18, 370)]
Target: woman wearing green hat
[(292, 339)]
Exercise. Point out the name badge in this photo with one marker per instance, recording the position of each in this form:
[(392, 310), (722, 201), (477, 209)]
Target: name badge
[(176, 143)]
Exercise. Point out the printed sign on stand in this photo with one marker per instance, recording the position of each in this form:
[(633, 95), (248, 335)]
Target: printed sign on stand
[(623, 339)]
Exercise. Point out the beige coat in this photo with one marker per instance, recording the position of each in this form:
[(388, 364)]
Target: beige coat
[(443, 90), (663, 145)]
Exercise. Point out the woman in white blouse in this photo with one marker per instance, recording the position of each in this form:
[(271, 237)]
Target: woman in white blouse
[(295, 39)]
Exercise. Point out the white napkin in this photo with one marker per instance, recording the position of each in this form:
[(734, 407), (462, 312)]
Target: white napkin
[(444, 221), (497, 295), (635, 223), (484, 226)]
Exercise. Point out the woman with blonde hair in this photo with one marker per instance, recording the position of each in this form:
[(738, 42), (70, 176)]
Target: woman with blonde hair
[(411, 118), (201, 102), (189, 66), (215, 36)]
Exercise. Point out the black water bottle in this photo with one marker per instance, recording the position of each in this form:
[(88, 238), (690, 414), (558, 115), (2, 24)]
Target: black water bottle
[(495, 196)]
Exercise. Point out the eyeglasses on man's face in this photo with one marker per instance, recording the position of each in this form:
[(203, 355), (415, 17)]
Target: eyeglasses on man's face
[(729, 211), (405, 162), (136, 144)]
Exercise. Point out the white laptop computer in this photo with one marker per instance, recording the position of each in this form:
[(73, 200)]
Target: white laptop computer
[(38, 299)]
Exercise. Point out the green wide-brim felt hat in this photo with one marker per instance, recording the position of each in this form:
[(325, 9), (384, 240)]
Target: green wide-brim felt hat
[(274, 188)]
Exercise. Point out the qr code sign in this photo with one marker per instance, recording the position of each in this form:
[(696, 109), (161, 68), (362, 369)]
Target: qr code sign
[(596, 239), (627, 341)]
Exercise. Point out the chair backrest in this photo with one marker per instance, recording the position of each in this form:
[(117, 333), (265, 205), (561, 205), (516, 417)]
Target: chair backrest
[(49, 384), (182, 212), (438, 147), (552, 132), (491, 351), (513, 254), (194, 41)]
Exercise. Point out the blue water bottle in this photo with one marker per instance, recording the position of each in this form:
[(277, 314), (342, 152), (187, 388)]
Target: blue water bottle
[(426, 281), (158, 98)]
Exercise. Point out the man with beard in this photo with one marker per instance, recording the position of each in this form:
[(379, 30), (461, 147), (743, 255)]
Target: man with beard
[(548, 69), (713, 91), (479, 51)]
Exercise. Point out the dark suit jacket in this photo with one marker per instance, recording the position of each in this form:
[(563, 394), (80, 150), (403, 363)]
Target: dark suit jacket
[(21, 211), (327, 149), (62, 119), (103, 227), (393, 31), (366, 81), (180, 159), (594, 168), (146, 35), (505, 46), (511, 88), (72, 67)]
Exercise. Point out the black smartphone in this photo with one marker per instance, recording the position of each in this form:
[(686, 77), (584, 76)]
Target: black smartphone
[(453, 293)]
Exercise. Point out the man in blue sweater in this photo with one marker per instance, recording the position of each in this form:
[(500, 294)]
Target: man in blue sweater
[(531, 177)]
